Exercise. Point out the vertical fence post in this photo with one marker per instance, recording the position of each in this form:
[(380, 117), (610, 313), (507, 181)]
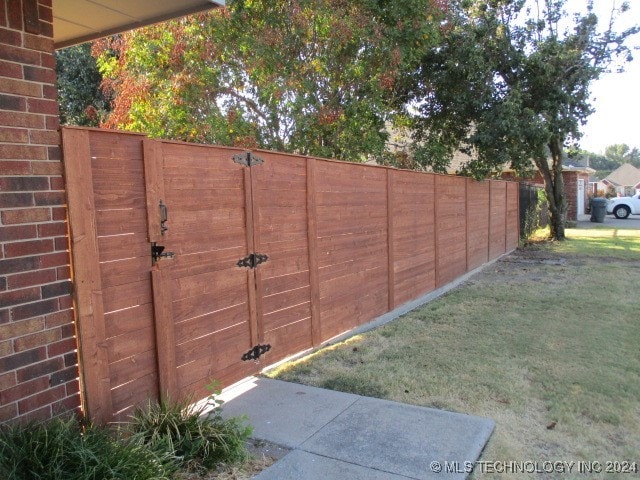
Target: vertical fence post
[(312, 239), (391, 277), (89, 307)]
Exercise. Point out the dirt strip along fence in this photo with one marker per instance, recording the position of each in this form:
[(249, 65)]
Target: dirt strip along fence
[(265, 255)]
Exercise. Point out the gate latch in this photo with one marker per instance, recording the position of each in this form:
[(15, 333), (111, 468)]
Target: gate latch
[(253, 260), (157, 252), (256, 352)]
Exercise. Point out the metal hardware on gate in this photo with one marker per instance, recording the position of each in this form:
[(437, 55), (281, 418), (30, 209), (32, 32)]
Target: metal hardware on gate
[(164, 215), (256, 352), (253, 260), (247, 159), (157, 252)]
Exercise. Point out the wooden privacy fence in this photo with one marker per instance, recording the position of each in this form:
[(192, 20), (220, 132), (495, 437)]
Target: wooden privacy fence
[(265, 255)]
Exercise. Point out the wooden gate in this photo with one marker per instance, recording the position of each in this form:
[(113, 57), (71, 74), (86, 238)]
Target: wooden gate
[(191, 261)]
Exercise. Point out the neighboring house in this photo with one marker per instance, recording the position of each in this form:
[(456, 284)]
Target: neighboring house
[(624, 180), (576, 182)]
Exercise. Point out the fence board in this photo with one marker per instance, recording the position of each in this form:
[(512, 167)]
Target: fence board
[(497, 224), (450, 228)]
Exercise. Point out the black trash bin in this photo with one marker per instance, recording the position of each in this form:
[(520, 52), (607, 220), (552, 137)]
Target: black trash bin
[(598, 209)]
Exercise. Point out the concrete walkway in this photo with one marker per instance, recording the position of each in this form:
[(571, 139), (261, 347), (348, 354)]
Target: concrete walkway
[(334, 435)]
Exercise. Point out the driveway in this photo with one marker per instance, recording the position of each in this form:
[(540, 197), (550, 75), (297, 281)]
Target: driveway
[(633, 222)]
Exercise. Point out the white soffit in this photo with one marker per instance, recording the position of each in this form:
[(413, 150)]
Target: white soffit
[(77, 21)]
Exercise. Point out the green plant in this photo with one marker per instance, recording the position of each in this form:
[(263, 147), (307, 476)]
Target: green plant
[(196, 435), (62, 449)]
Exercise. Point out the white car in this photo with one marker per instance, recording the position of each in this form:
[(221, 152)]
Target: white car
[(622, 207)]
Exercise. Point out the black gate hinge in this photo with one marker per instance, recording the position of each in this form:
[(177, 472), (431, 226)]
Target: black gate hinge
[(247, 159), (256, 352), (253, 260)]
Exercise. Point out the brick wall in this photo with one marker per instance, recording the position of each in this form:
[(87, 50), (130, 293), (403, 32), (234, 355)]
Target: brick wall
[(38, 361)]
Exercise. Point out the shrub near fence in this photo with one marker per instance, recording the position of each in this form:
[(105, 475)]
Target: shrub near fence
[(533, 209), (272, 254)]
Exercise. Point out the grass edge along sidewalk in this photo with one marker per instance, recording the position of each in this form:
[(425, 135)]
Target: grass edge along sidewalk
[(545, 342)]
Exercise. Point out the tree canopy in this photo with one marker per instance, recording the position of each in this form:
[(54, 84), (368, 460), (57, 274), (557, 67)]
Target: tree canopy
[(509, 85), (312, 77), (81, 100)]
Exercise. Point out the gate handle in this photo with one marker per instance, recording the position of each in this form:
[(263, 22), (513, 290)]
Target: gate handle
[(164, 215)]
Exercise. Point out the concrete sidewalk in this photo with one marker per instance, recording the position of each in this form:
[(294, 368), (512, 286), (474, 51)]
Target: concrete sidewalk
[(334, 435)]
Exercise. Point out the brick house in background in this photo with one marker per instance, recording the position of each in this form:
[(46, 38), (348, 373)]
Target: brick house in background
[(39, 373), (576, 183)]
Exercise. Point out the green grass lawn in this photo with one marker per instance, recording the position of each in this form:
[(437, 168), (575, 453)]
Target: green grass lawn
[(547, 344)]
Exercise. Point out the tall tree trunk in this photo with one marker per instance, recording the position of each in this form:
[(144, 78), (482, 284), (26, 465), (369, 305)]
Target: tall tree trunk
[(554, 188)]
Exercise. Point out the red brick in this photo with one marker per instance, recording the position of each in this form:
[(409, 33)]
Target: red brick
[(56, 289), (23, 264), (40, 339), (54, 153), (46, 137), (64, 273), (3, 284), (68, 330), (49, 198), (28, 215), (8, 412), (39, 369), (47, 168), (34, 309), (47, 60), (4, 316), (17, 167), (38, 105), (10, 37), (46, 14), (23, 152), (17, 297), (57, 319), (43, 398), (11, 70), (22, 249), (71, 359), (13, 135), (12, 102), (23, 184), (3, 16), (40, 415), (8, 380), (73, 387), (52, 122), (39, 74), (22, 359), (65, 303), (20, 55), (46, 29), (63, 376), (38, 42), (61, 243), (30, 279), (50, 92), (6, 348), (19, 119), (14, 10), (12, 200), (20, 232), (58, 213), (60, 348), (23, 390), (20, 87), (57, 229), (66, 405), (58, 259)]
